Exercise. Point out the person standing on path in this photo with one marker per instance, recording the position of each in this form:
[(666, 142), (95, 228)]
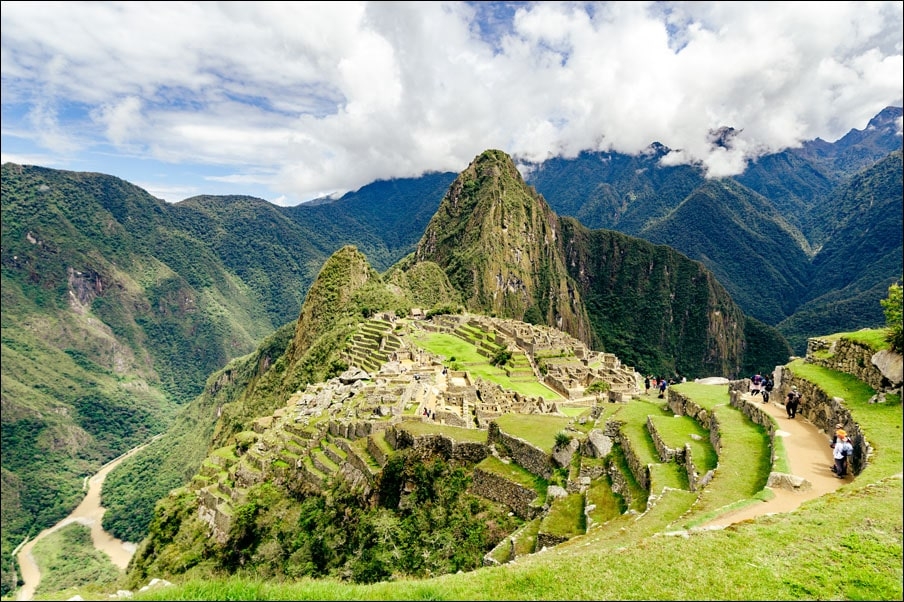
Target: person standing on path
[(768, 385), (840, 453), (793, 402), (808, 456)]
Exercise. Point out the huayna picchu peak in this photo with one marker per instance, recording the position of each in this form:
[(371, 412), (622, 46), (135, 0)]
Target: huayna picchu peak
[(498, 241)]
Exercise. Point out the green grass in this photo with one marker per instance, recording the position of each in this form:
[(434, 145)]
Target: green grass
[(608, 505), (744, 460), (874, 338), (678, 431), (845, 545), (513, 472), (565, 517), (526, 538), (449, 346), (68, 561), (634, 415), (539, 430), (572, 411)]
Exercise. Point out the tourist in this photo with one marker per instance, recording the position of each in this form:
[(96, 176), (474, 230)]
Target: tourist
[(793, 402), (767, 389), (842, 451), (834, 440)]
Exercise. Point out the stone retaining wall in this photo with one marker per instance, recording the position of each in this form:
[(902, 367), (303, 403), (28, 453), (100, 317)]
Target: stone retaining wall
[(824, 412), (681, 405), (499, 489), (881, 370), (640, 471), (530, 457), (435, 444)]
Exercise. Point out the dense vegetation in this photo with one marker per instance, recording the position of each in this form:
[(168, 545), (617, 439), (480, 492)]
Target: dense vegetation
[(425, 523), (806, 240)]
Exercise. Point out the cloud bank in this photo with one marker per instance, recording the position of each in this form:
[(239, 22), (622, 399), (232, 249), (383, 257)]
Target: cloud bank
[(306, 99)]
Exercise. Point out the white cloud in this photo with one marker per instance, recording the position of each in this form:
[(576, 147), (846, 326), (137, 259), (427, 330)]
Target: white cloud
[(302, 99)]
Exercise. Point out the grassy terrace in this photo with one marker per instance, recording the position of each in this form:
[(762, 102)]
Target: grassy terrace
[(565, 517), (607, 505), (744, 463), (874, 338), (678, 431), (449, 346), (514, 473), (842, 546), (537, 429)]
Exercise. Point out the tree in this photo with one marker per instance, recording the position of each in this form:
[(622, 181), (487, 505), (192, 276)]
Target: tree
[(894, 314)]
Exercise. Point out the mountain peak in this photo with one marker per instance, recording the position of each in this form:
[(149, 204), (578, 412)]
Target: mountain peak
[(497, 240)]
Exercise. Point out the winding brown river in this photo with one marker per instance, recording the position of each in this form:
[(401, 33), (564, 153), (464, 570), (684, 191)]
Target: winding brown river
[(88, 513)]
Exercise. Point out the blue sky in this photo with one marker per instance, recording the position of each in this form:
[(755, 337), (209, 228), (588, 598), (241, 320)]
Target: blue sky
[(290, 101)]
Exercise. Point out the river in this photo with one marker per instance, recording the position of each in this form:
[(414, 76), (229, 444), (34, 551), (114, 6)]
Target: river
[(88, 513)]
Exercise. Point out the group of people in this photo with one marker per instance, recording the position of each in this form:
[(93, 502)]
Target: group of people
[(762, 386), (658, 384), (842, 447)]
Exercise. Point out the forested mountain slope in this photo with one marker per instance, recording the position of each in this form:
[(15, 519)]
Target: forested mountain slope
[(495, 248), (777, 216)]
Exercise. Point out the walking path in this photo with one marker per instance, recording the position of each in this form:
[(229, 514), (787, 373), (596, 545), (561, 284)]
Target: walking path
[(809, 456), (88, 513)]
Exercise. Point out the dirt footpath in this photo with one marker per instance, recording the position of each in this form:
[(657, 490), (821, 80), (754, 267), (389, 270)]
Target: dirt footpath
[(809, 456)]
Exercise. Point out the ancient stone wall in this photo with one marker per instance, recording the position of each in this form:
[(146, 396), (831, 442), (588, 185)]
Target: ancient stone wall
[(682, 406), (665, 453), (825, 412), (530, 457), (640, 471), (499, 489)]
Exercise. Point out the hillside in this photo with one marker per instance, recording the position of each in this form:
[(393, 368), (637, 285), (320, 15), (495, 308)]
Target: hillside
[(316, 430), (696, 340)]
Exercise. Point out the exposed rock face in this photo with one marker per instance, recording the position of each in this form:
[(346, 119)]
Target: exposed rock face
[(509, 255)]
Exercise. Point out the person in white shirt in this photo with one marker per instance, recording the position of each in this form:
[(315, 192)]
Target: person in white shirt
[(841, 452)]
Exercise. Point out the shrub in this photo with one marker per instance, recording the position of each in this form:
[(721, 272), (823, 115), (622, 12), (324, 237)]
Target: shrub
[(894, 314)]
